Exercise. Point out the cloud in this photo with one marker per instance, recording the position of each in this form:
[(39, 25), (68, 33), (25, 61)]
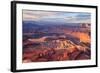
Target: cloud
[(30, 17), (36, 15), (68, 17), (79, 21)]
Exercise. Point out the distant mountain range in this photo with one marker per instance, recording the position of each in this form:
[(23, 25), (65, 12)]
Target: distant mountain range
[(47, 23), (31, 26)]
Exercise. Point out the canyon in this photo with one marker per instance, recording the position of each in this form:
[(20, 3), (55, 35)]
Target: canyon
[(44, 43)]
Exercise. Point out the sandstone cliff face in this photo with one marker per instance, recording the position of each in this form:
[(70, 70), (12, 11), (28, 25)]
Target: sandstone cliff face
[(66, 44), (84, 37)]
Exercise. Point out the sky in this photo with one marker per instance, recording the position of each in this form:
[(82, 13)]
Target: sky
[(56, 16)]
